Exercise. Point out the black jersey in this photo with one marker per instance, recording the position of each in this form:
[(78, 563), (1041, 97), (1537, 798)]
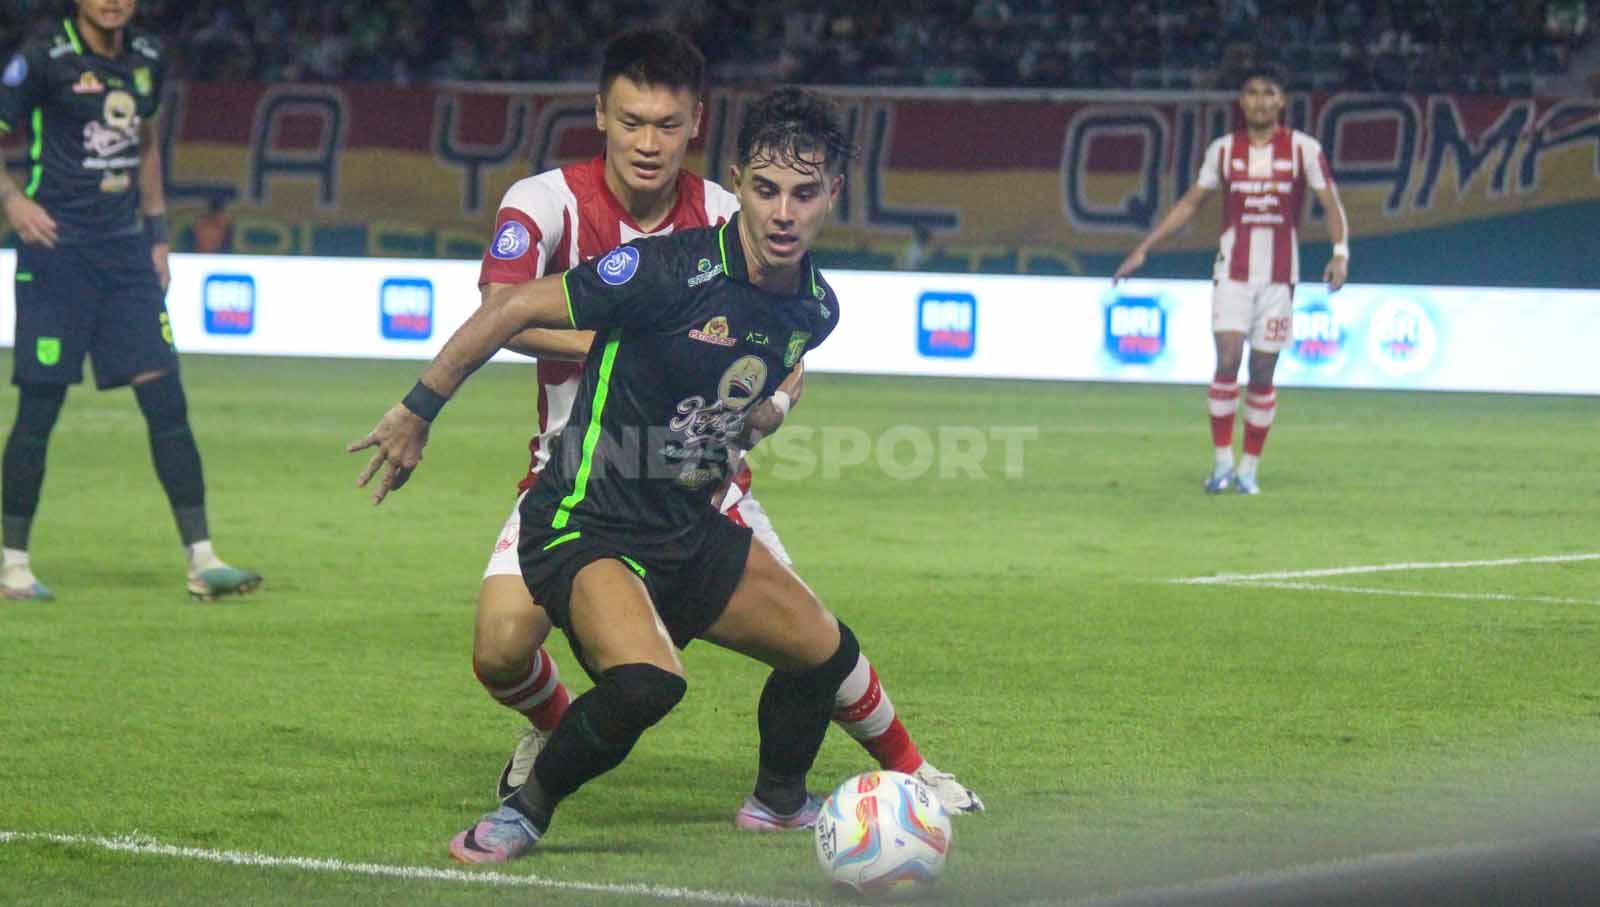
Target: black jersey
[(685, 345), (84, 112)]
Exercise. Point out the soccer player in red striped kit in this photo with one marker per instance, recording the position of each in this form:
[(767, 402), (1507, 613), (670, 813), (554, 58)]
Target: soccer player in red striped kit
[(1264, 171)]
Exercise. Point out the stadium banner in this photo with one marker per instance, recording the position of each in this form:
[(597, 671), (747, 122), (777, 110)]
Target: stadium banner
[(957, 325), (1440, 189)]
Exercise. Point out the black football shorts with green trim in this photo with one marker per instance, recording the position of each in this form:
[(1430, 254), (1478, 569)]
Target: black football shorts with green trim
[(690, 580), (100, 299)]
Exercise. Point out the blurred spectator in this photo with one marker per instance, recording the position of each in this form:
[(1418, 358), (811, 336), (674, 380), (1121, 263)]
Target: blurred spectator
[(1415, 45), (213, 230)]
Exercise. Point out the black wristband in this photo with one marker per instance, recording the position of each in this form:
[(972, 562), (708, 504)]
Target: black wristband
[(424, 402), (156, 230)]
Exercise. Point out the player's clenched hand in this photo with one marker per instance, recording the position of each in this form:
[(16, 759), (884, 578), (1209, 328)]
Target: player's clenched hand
[(764, 419), (1337, 272), (33, 224), (399, 437), (1133, 262)]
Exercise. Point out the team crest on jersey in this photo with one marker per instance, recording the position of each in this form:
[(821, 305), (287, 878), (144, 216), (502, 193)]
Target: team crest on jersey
[(796, 348), (512, 240), (142, 81), (16, 71), (88, 83), (716, 331), (619, 265)]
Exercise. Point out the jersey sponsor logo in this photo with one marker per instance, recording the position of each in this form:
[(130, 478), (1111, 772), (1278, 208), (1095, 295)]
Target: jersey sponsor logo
[(707, 272), (230, 304), (704, 427), (1401, 337), (146, 47), (512, 240), (405, 308), (16, 71), (796, 348), (716, 331), (1136, 329), (1319, 335), (618, 266), (88, 83), (947, 325)]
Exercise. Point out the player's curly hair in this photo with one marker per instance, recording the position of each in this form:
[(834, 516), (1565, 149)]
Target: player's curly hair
[(656, 57), (793, 126)]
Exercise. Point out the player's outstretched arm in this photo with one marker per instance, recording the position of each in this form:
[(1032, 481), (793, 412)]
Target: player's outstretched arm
[(1174, 221), (403, 431), (542, 343), (1338, 269)]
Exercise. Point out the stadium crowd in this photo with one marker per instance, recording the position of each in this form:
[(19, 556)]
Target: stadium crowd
[(1463, 46)]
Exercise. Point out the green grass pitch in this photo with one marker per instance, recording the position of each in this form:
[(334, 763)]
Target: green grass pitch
[(1125, 730)]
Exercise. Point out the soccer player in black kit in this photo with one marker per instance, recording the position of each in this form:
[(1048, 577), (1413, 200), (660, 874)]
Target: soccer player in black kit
[(694, 333), (92, 270)]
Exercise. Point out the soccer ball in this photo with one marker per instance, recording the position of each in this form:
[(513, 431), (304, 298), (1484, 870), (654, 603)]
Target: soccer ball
[(883, 834)]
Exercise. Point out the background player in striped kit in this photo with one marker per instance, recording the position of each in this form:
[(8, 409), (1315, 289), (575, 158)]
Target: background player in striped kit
[(1264, 170), (648, 107)]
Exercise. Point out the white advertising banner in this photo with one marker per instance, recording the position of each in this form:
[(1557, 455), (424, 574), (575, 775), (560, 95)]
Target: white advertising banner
[(961, 325)]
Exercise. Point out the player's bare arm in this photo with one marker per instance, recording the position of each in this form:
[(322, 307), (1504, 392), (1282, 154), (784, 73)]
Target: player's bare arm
[(153, 199), (33, 224), (1174, 221), (1338, 269), (403, 431), (543, 343)]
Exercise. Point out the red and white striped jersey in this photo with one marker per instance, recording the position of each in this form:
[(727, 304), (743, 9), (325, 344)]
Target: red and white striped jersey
[(554, 220), (1264, 192)]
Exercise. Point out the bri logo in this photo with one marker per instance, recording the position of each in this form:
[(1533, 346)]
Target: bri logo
[(1136, 329), (405, 308), (947, 324), (1319, 335), (229, 302), (1401, 337)]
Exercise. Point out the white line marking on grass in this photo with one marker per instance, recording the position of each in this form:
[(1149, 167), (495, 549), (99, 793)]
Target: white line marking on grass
[(149, 847), (1410, 593), (1223, 579)]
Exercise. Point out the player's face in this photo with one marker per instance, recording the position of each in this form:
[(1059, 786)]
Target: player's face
[(1262, 101), (647, 129), (107, 15), (782, 208)]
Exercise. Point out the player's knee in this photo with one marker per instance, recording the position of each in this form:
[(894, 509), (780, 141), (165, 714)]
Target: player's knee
[(163, 403), (824, 679), (38, 407), (636, 697), (504, 642)]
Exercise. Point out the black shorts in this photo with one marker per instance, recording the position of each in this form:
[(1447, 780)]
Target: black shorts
[(102, 299), (690, 580)]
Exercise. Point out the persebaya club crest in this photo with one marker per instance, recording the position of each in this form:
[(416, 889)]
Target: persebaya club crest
[(796, 348)]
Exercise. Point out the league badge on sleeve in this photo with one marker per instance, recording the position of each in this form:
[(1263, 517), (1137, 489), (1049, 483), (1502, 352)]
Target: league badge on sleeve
[(619, 265), (16, 71), (512, 240)]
